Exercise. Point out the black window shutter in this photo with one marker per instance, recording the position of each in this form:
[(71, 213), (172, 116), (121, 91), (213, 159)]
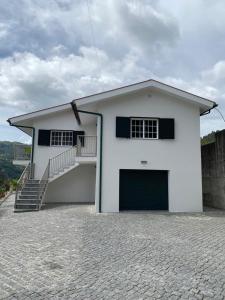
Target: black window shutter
[(75, 134), (123, 127), (166, 129), (44, 137)]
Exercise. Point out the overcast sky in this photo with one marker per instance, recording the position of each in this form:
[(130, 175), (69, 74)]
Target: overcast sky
[(54, 51)]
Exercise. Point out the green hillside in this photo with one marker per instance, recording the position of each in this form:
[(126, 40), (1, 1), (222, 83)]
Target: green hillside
[(9, 173), (7, 169)]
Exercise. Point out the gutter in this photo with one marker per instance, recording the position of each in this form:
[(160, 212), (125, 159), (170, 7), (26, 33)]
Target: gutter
[(33, 136), (101, 138), (209, 110)]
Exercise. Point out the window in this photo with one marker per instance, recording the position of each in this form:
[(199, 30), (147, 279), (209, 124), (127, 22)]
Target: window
[(61, 138), (144, 128)]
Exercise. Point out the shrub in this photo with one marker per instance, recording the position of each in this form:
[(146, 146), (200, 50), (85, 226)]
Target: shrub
[(14, 184), (2, 192)]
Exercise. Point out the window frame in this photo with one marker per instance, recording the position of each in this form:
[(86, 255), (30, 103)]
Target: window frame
[(143, 131), (61, 139)]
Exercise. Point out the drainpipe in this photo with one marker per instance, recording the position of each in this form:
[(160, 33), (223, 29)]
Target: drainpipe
[(209, 110), (33, 136), (100, 167)]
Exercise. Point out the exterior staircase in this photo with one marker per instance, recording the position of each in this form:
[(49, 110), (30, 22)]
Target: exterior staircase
[(30, 192), (30, 196)]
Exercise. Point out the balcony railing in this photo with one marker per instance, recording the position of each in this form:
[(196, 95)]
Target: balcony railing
[(22, 152), (86, 146)]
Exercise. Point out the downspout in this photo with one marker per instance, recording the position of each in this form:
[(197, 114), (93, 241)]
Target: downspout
[(100, 167), (209, 110), (33, 136)]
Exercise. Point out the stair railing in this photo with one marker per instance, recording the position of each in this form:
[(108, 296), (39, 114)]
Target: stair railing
[(43, 184), (61, 161), (25, 176), (86, 145)]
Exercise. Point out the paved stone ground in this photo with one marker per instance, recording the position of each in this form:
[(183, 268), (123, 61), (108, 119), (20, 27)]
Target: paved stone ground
[(69, 252)]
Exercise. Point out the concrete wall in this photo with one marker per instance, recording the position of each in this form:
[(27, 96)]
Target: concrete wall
[(77, 185), (181, 157), (213, 172)]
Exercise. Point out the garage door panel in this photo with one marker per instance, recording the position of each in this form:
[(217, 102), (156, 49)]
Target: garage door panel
[(143, 190)]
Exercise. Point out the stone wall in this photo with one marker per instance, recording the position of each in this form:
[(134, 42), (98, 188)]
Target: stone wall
[(213, 172)]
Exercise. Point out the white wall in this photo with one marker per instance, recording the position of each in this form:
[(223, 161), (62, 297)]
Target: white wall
[(77, 185), (180, 156), (62, 121)]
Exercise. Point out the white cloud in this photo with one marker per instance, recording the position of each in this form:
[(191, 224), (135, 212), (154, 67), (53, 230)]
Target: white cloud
[(31, 82)]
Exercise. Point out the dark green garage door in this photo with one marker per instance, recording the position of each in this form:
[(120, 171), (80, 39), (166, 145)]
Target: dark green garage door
[(143, 190)]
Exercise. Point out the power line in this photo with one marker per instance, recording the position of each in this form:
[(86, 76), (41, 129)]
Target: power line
[(220, 113)]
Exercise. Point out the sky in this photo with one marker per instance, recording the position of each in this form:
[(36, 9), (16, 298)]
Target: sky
[(57, 50)]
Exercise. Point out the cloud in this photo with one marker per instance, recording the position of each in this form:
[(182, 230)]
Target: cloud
[(113, 25), (32, 82)]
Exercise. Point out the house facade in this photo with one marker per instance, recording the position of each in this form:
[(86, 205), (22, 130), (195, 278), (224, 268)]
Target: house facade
[(132, 148)]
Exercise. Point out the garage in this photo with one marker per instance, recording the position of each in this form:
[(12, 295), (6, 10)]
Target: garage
[(143, 190)]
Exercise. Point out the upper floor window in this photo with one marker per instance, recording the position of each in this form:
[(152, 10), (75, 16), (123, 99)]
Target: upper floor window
[(144, 128), (61, 138)]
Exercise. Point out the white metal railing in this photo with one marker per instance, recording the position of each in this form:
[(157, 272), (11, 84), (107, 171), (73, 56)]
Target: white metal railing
[(86, 145), (27, 174), (22, 152), (61, 161), (43, 184)]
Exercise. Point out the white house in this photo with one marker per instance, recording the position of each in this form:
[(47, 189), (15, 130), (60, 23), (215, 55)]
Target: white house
[(131, 148)]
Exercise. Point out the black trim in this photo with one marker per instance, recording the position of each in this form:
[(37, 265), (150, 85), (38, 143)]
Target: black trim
[(44, 137), (75, 134), (209, 110), (75, 111), (166, 129), (123, 127)]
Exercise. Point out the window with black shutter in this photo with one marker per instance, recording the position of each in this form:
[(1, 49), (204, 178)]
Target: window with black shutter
[(145, 128)]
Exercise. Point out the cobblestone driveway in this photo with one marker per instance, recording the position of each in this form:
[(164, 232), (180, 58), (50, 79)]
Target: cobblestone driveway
[(69, 252)]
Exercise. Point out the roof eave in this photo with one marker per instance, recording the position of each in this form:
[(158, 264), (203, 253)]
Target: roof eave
[(142, 86)]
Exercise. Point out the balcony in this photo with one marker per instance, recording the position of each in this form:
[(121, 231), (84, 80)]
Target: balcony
[(86, 149), (22, 154)]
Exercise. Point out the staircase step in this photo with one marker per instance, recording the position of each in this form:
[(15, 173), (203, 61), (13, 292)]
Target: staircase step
[(28, 200), (27, 206), (33, 180), (28, 197), (30, 190), (29, 193), (29, 185)]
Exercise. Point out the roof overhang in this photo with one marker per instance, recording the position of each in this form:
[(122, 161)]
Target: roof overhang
[(205, 104), (19, 120)]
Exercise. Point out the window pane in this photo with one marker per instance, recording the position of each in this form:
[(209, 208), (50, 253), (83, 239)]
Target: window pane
[(137, 128), (151, 129), (62, 138)]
